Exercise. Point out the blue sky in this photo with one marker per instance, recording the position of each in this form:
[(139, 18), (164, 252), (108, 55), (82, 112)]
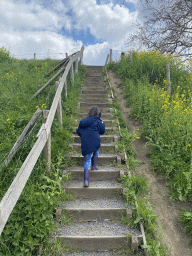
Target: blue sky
[(54, 27)]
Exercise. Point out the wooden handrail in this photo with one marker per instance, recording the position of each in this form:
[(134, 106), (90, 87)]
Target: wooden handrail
[(14, 191)]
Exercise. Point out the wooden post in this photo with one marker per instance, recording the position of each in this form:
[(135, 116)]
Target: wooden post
[(72, 73), (81, 58), (66, 54), (168, 78), (34, 55), (65, 86), (47, 148), (59, 107), (22, 136), (110, 58), (76, 66)]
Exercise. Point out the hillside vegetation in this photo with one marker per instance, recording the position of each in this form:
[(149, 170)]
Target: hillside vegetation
[(166, 120), (31, 221)]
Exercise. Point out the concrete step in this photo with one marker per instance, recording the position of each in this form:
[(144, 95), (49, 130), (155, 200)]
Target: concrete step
[(94, 103), (107, 122), (88, 90), (103, 173), (89, 214), (103, 159), (107, 129), (104, 138), (103, 115), (105, 148), (94, 86), (99, 236), (93, 74), (90, 68), (104, 110), (99, 100), (94, 209), (96, 189), (95, 96)]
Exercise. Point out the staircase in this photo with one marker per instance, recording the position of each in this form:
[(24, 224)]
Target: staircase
[(97, 209)]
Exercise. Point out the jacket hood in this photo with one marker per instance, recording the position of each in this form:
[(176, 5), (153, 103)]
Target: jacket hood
[(86, 122)]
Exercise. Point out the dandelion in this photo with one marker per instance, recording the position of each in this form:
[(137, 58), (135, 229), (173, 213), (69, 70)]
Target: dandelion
[(138, 138), (37, 106), (124, 176), (8, 119)]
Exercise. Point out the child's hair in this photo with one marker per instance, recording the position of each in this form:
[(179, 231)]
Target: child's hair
[(94, 111)]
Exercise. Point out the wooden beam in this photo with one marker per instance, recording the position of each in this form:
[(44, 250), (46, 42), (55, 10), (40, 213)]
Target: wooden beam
[(14, 191), (81, 57), (58, 93), (110, 58), (22, 136), (72, 73), (63, 62), (47, 147), (76, 66), (59, 107), (50, 81)]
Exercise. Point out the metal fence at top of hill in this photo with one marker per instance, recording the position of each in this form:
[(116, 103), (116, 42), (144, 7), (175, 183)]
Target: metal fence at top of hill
[(13, 193)]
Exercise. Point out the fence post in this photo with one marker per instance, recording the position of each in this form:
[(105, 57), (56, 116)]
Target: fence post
[(47, 148), (72, 72), (66, 54), (81, 58), (110, 58), (76, 66), (34, 55), (59, 107), (168, 78)]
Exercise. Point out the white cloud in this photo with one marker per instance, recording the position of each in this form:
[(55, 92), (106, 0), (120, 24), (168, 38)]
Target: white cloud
[(108, 22), (34, 27)]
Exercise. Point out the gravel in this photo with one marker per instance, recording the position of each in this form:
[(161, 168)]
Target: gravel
[(101, 168), (89, 254), (94, 228), (94, 184), (95, 204)]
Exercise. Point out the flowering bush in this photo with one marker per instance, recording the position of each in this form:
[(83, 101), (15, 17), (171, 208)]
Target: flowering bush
[(167, 121)]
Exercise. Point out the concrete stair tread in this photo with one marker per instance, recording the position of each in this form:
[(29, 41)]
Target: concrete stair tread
[(100, 155), (96, 229), (89, 204), (94, 184), (102, 144), (101, 168)]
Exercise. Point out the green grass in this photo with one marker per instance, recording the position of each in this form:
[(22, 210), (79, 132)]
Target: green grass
[(166, 120), (137, 187), (31, 221)]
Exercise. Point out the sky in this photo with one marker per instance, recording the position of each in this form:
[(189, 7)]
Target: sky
[(51, 28)]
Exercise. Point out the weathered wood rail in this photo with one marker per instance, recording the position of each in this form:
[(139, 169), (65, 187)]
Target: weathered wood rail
[(43, 141)]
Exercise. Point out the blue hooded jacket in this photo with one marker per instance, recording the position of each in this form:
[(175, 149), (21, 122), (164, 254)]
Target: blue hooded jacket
[(89, 130)]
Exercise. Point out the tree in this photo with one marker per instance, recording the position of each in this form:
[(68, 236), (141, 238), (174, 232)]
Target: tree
[(166, 26)]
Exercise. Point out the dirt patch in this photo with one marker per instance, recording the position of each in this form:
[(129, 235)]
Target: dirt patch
[(167, 210)]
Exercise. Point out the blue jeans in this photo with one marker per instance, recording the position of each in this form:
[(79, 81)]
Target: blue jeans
[(87, 160)]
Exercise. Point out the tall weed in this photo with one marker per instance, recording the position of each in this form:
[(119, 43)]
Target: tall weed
[(166, 120), (31, 221)]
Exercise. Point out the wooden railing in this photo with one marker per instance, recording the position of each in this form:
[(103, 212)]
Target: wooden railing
[(43, 142)]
